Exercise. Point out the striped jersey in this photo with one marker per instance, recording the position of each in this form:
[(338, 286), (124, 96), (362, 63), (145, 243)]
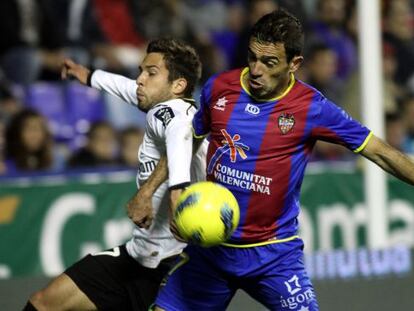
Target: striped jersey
[(259, 149)]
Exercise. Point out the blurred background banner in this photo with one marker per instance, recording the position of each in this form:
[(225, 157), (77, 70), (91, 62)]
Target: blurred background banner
[(47, 223)]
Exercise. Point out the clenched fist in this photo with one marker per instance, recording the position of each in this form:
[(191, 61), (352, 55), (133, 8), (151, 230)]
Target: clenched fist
[(139, 209)]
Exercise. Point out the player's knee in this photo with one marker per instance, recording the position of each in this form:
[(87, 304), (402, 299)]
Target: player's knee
[(156, 308)]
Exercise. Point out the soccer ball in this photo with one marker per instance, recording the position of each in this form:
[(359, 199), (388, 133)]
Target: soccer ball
[(206, 214)]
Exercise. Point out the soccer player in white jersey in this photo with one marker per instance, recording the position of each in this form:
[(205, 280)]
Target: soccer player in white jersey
[(127, 277)]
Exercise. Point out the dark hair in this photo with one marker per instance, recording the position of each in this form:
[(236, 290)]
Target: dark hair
[(181, 60), (280, 27), (16, 150), (317, 48), (392, 117)]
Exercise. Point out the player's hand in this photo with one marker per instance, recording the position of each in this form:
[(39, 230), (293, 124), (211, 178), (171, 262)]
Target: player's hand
[(174, 195), (77, 71), (139, 209), (174, 231)]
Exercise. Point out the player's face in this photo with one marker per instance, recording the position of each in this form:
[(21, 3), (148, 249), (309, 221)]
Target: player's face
[(153, 85), (269, 71), (34, 134)]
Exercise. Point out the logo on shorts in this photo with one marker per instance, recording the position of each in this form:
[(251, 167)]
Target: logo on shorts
[(298, 296), (293, 285), (304, 300), (286, 121), (114, 252)]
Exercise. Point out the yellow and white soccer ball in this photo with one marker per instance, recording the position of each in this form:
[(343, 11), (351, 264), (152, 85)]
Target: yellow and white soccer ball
[(206, 214)]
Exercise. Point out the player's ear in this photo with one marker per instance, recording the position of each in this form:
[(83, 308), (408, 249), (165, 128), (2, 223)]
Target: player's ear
[(179, 85), (295, 63)]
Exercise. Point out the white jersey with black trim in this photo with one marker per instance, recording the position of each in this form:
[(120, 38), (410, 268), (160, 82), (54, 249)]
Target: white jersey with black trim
[(167, 131)]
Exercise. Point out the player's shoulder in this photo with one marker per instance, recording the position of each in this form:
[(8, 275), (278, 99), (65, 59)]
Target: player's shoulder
[(174, 109), (321, 106), (231, 76), (302, 89), (226, 83), (304, 92), (226, 78)]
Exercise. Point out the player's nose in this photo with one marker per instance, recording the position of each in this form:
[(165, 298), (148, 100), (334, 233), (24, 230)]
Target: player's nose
[(256, 70), (140, 80)]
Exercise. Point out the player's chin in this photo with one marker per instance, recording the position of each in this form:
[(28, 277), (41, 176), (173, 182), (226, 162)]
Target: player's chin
[(143, 106), (259, 93)]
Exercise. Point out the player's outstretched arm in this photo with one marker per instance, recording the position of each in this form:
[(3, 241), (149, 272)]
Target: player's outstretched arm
[(389, 159), (139, 207), (74, 70), (114, 84)]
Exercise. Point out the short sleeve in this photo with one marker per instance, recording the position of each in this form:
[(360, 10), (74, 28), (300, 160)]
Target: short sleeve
[(333, 124)]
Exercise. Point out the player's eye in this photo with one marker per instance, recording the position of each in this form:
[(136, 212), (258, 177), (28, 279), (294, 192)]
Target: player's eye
[(270, 64)]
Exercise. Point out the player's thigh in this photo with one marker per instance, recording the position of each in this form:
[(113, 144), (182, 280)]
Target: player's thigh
[(194, 284), (61, 294), (113, 280), (283, 284), (292, 291), (102, 277)]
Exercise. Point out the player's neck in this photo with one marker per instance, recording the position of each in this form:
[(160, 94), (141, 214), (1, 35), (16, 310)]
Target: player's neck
[(280, 89)]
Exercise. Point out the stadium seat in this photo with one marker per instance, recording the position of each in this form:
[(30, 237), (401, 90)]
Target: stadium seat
[(48, 99), (84, 105)]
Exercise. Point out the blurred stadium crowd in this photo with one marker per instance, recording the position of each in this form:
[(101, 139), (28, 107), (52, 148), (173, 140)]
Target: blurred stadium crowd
[(51, 125)]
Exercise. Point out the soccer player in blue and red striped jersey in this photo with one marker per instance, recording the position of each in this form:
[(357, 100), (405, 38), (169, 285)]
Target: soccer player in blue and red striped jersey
[(262, 124)]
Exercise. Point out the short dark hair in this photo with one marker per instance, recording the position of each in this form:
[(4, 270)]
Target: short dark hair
[(181, 60), (280, 27), (317, 48), (391, 117)]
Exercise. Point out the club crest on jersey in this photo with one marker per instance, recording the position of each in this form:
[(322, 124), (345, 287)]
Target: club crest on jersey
[(221, 103), (286, 121)]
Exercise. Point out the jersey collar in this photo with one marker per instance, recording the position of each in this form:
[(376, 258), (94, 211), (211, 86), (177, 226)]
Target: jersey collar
[(246, 89)]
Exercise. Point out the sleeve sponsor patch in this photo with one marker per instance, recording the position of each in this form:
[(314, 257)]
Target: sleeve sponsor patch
[(165, 115)]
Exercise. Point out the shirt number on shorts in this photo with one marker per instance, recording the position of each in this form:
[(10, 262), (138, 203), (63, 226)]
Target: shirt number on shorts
[(115, 252)]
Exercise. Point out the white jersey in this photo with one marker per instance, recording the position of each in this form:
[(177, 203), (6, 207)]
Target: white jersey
[(168, 131)]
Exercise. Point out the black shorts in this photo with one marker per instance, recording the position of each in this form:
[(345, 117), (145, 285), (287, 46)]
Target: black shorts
[(113, 280)]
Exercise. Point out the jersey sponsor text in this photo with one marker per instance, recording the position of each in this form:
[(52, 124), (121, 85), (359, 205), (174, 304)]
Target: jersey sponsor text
[(242, 179)]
